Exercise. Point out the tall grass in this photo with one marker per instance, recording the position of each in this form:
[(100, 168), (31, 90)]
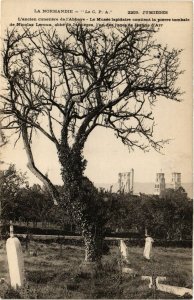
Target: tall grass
[(55, 273)]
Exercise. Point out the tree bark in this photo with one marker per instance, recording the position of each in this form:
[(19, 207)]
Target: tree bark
[(79, 194), (93, 244)]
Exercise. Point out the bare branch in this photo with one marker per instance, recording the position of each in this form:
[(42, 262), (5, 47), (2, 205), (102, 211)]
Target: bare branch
[(32, 167), (84, 79)]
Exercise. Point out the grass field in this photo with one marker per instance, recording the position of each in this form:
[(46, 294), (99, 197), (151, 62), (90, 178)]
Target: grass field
[(56, 274)]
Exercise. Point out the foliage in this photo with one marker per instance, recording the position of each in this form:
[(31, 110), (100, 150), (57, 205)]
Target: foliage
[(26, 292), (35, 204), (167, 217), (21, 202), (11, 183)]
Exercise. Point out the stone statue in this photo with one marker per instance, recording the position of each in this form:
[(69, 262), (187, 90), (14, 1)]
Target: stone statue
[(148, 246)]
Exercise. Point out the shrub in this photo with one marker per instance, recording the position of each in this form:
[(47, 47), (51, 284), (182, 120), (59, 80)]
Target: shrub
[(25, 292), (11, 293)]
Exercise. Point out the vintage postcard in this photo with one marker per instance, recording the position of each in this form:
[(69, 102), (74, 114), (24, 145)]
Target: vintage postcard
[(96, 149)]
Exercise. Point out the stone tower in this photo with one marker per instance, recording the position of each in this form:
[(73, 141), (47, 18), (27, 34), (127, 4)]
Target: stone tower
[(176, 180), (160, 185), (126, 182)]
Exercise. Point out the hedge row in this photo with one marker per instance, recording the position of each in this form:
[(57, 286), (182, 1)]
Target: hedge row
[(32, 230), (78, 241), (50, 231), (162, 243), (131, 239)]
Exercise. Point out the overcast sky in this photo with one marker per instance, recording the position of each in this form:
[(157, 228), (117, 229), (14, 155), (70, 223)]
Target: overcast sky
[(106, 155)]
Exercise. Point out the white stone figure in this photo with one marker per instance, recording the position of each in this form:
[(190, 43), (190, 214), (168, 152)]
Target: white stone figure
[(176, 290), (148, 246), (124, 252), (15, 260)]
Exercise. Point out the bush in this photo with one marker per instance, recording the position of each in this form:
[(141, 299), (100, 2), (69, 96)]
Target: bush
[(26, 292), (11, 293), (174, 244)]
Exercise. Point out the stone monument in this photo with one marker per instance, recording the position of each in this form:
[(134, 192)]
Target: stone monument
[(15, 260)]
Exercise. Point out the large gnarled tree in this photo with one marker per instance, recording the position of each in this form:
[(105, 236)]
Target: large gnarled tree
[(65, 85)]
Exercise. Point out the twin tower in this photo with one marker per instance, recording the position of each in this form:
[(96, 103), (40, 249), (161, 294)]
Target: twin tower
[(126, 182), (160, 184)]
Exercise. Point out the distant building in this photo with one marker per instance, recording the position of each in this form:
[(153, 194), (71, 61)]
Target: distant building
[(160, 184), (176, 181), (126, 182)]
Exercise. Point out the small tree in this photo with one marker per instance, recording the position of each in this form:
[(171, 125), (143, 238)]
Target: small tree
[(64, 86), (35, 204), (11, 183), (178, 212)]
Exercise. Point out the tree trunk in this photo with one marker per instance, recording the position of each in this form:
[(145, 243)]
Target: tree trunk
[(92, 235), (93, 241), (91, 252), (79, 192)]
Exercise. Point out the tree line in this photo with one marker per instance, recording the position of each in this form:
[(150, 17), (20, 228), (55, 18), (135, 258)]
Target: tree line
[(166, 217)]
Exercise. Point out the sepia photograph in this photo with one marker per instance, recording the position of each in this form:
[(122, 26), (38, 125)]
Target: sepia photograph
[(96, 178)]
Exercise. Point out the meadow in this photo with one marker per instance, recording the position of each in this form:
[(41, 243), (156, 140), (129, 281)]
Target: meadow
[(53, 271)]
